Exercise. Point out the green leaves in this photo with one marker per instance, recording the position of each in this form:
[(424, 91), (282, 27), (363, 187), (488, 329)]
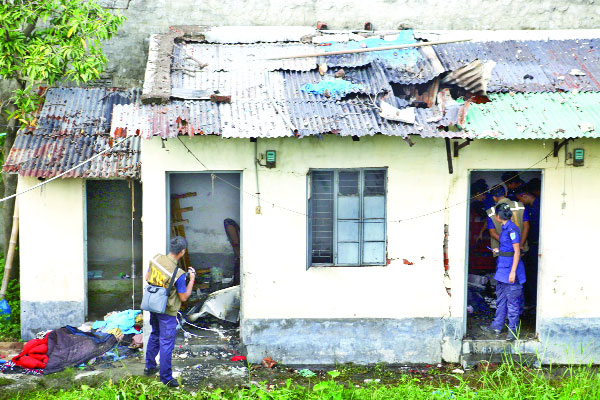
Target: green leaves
[(65, 44)]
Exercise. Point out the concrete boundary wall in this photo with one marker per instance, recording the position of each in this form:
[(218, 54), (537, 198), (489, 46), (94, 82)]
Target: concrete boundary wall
[(127, 51)]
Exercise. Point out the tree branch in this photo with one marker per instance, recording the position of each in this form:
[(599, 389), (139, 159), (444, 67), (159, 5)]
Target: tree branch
[(30, 27)]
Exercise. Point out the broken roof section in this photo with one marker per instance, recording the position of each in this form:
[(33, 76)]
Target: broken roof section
[(535, 116), (73, 126), (531, 66), (272, 97), (269, 97)]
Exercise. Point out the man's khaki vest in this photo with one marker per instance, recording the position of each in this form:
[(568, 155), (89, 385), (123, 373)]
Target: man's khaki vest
[(157, 277), (518, 209)]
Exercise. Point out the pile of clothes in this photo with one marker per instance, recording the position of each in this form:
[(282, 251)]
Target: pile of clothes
[(53, 351), (59, 349), (126, 326)]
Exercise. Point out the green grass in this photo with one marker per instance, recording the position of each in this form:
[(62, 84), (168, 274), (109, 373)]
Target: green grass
[(507, 381), (10, 331)]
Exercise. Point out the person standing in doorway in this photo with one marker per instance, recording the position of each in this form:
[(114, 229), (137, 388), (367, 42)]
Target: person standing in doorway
[(519, 217), (164, 326), (513, 181), (510, 274), (526, 195)]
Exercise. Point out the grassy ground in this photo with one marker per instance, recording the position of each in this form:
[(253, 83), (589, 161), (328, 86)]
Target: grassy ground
[(507, 381)]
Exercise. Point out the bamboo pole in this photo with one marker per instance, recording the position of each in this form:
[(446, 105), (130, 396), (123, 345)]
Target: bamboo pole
[(353, 51), (11, 251)]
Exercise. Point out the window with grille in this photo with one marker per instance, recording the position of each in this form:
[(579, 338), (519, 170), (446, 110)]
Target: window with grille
[(346, 217)]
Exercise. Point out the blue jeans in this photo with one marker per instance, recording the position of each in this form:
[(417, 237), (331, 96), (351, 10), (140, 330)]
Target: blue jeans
[(508, 305), (162, 339)]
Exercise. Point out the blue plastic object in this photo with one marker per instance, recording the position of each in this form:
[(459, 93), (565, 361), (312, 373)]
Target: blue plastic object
[(4, 310), (337, 88)]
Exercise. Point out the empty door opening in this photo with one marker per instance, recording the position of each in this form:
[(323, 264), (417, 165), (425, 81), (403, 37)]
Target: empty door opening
[(113, 247)]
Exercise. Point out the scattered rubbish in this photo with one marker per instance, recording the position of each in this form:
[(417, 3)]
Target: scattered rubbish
[(577, 72), (527, 76), (406, 115), (458, 371), (337, 88), (238, 358), (306, 373), (406, 262), (340, 73), (215, 98), (372, 380), (322, 69), (223, 304), (268, 362)]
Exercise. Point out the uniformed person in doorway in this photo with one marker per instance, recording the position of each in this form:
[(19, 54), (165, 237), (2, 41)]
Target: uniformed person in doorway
[(519, 218), (510, 274), (526, 195), (513, 181)]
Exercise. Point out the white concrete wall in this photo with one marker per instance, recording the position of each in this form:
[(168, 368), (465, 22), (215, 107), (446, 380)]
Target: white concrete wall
[(52, 254), (276, 284), (215, 200)]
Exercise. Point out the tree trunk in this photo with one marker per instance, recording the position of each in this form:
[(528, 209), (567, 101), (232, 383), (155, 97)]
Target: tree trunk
[(10, 182)]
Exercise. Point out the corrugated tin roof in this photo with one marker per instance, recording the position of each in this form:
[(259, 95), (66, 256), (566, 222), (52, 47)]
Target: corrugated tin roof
[(404, 66), (531, 66), (536, 116), (73, 125), (252, 112)]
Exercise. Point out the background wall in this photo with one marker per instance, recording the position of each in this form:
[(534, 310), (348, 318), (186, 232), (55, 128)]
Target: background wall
[(51, 243), (127, 52), (215, 200)]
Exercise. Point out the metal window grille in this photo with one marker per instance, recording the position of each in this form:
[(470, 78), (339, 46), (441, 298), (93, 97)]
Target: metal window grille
[(347, 217)]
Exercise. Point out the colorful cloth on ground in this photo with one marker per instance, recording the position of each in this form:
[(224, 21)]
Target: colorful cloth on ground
[(69, 347), (34, 354), (124, 320), (10, 367)]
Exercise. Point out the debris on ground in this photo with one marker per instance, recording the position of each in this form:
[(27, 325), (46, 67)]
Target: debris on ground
[(268, 362)]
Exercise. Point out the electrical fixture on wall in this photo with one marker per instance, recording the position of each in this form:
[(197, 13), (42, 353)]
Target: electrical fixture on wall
[(578, 157), (270, 158)]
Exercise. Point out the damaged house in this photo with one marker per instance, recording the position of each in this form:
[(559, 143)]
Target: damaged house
[(348, 178)]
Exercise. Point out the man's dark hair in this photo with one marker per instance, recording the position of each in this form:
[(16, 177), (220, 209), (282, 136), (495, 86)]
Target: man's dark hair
[(511, 177), (498, 191), (525, 189), (177, 244), (504, 212)]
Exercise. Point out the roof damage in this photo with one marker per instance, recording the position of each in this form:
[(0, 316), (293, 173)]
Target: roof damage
[(73, 126), (260, 82)]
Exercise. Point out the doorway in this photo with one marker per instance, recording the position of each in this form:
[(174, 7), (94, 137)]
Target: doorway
[(205, 209), (521, 186), (114, 246)]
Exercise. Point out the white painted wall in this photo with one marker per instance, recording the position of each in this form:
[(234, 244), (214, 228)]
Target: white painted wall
[(274, 242), (51, 240), (215, 201)]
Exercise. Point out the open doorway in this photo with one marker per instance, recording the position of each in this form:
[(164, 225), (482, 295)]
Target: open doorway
[(114, 246), (205, 209), (523, 187)]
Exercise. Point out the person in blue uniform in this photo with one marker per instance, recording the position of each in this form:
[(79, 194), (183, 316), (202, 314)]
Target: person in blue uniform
[(526, 195), (510, 274)]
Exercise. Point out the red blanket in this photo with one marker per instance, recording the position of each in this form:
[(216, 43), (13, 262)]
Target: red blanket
[(33, 354)]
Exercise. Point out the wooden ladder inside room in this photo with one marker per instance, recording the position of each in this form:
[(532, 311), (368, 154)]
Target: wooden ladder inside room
[(178, 223)]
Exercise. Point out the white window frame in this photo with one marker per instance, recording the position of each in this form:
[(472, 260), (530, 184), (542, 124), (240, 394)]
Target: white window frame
[(361, 242)]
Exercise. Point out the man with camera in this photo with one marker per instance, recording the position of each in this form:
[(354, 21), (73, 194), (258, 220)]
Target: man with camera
[(162, 271)]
